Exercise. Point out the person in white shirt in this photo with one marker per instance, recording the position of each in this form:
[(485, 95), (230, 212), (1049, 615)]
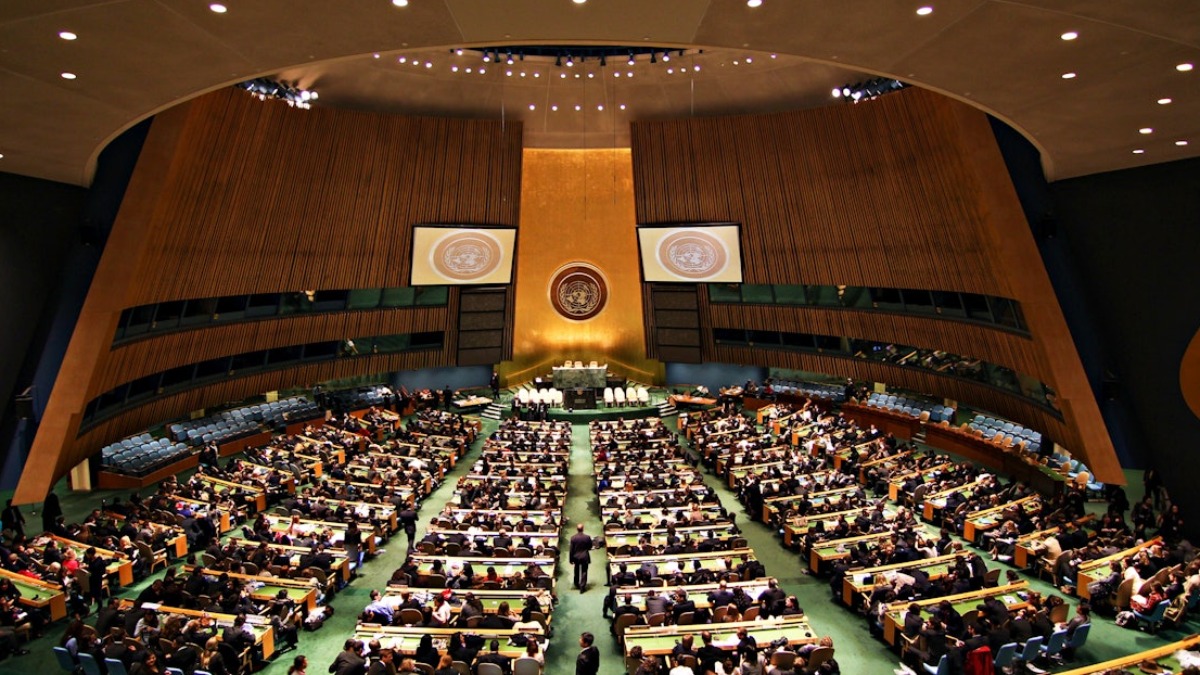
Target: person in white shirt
[(441, 611), (681, 669)]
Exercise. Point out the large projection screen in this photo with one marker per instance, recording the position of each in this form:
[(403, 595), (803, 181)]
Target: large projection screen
[(697, 253), (454, 255)]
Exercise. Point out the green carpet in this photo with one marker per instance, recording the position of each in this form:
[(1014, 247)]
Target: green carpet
[(857, 652)]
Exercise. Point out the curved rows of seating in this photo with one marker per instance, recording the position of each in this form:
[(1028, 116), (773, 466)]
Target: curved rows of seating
[(993, 427), (831, 392), (238, 422), (363, 397), (911, 406), (141, 454)]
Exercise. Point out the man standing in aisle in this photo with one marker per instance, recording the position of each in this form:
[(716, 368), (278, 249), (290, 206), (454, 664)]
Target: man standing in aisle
[(581, 556), (588, 661)]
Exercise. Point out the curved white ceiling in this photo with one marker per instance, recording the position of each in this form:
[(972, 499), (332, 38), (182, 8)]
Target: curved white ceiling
[(133, 58)]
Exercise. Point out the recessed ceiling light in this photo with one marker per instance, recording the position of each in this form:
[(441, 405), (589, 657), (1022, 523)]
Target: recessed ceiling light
[(600, 107), (1164, 101), (537, 74), (554, 108), (403, 59), (578, 108), (1, 155), (1069, 35), (622, 108), (67, 35), (1139, 151), (454, 69), (1184, 67), (749, 59), (924, 11), (482, 71), (753, 3), (376, 56), (400, 3), (68, 76), (218, 8), (1145, 130), (429, 64), (579, 2), (1181, 142), (1068, 76), (532, 106)]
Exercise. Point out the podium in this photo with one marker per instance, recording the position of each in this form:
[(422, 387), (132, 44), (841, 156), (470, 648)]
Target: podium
[(579, 399)]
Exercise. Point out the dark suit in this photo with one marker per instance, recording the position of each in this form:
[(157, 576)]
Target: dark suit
[(497, 658), (588, 661), (348, 663), (581, 556)]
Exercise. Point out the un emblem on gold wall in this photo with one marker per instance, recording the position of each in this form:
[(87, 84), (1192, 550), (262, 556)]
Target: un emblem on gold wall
[(578, 291)]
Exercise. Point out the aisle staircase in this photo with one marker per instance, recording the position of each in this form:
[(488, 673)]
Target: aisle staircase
[(494, 411), (666, 409)]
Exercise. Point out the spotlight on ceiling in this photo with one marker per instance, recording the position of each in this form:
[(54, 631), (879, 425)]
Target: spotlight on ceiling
[(653, 57), (868, 90), (558, 60), (603, 60), (754, 3)]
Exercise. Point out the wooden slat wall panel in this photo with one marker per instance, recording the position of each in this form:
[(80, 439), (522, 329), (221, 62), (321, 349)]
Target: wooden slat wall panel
[(866, 195), (242, 196), (153, 355), (966, 339), (237, 388), (274, 199), (983, 396), (906, 191)]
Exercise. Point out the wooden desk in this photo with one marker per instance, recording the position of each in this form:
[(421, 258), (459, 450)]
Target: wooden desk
[(1027, 545), (714, 560), (118, 564), (981, 521), (893, 618), (340, 566), (264, 633), (39, 594), (221, 518), (176, 542), (897, 482), (1094, 570), (265, 587), (404, 639), (338, 541), (253, 494), (795, 528), (697, 593), (489, 598), (1007, 461), (659, 640), (859, 582), (1164, 655), (822, 555)]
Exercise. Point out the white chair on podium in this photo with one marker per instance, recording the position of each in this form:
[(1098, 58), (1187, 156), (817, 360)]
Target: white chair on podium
[(579, 364), (593, 364), (567, 363), (631, 395), (609, 399), (523, 396), (643, 396), (619, 395), (558, 398), (535, 397)]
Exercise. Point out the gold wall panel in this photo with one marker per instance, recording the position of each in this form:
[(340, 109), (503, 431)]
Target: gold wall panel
[(577, 206)]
